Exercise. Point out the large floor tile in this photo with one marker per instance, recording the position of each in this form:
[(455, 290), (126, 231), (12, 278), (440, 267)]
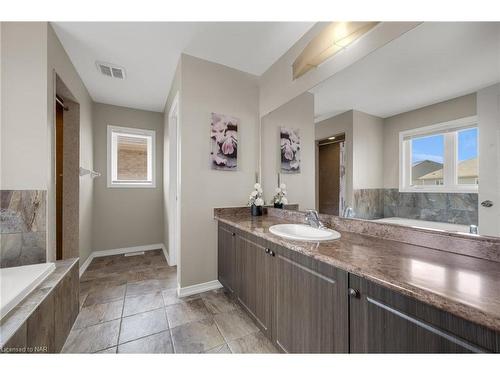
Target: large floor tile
[(235, 324), (170, 297), (99, 313), (157, 343), (105, 294), (218, 301), (223, 349), (187, 312), (141, 303), (253, 343), (143, 324), (143, 287), (111, 350), (93, 338), (196, 337)]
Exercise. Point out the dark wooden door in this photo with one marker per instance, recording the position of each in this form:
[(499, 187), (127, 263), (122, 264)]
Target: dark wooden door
[(226, 259), (382, 321), (59, 179), (255, 287), (329, 178), (311, 306)]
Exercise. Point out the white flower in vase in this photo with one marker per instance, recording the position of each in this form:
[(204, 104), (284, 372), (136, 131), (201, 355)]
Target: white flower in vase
[(259, 202)]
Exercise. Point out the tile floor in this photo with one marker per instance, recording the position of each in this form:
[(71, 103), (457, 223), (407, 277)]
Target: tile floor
[(130, 305)]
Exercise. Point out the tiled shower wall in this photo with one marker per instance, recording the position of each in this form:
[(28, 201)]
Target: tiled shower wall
[(456, 208), (22, 227)]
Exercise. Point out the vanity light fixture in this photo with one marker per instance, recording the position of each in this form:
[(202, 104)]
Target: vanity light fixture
[(331, 138), (332, 39)]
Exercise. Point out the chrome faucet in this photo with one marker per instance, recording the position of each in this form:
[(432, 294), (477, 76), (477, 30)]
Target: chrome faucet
[(312, 218), (473, 229), (348, 212)]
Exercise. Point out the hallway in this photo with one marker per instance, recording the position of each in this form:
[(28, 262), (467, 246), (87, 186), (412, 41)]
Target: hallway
[(129, 305)]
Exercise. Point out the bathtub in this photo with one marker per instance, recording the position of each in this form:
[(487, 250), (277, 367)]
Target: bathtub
[(425, 224), (17, 282)]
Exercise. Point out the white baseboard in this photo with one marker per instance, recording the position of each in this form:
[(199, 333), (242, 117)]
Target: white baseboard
[(125, 250), (165, 253), (198, 288)]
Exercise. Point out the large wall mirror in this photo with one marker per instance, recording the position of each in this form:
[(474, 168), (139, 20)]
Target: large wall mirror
[(408, 135)]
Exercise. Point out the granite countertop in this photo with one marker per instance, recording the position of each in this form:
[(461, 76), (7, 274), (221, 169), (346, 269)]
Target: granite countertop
[(462, 285), (19, 314)]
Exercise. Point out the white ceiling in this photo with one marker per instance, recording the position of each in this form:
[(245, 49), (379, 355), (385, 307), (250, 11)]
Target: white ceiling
[(149, 52), (435, 61)]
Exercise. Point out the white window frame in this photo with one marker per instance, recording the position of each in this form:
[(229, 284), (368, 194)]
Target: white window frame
[(450, 130), (113, 162)]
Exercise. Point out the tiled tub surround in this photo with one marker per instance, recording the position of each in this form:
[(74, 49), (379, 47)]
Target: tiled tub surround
[(130, 305), (462, 285), (22, 227), (368, 203), (43, 320), (455, 208)]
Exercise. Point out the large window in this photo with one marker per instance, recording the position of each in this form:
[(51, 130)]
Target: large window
[(131, 157), (441, 157)]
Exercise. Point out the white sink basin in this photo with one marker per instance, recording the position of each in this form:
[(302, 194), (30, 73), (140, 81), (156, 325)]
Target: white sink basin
[(303, 232)]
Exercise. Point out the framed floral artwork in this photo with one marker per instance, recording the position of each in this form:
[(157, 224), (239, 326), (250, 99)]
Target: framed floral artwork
[(290, 150), (224, 140)]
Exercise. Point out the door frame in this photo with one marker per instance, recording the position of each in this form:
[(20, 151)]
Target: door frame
[(174, 183)]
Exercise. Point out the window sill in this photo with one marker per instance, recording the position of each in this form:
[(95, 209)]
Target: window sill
[(133, 186), (463, 190)]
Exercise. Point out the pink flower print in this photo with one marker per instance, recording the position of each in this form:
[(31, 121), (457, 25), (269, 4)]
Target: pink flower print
[(218, 131), (286, 148)]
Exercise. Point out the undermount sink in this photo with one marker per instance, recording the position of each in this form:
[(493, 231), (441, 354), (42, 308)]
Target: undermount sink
[(303, 232)]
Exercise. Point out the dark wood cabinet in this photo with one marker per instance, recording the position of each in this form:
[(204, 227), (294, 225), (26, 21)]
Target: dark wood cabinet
[(307, 306), (255, 264), (310, 306), (383, 321), (226, 260)]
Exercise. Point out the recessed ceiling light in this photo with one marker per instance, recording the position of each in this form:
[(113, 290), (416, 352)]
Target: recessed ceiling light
[(331, 138)]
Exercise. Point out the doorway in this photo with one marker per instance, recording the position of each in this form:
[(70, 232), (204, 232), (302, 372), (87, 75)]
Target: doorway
[(329, 191), (65, 192), (60, 108), (174, 185)]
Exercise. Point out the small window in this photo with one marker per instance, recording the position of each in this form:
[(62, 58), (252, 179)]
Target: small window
[(440, 158), (131, 158)]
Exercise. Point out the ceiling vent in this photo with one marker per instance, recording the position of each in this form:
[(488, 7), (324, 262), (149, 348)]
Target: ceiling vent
[(111, 70)]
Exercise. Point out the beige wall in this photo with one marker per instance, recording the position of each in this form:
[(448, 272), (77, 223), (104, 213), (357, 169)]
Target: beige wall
[(126, 217), (297, 114), (24, 147), (208, 87), (453, 109), (31, 56), (60, 64), (342, 123), (488, 113), (277, 86), (368, 151)]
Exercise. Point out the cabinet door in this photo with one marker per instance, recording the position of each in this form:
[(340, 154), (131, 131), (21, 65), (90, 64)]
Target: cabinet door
[(226, 257), (255, 266), (383, 321), (311, 306)]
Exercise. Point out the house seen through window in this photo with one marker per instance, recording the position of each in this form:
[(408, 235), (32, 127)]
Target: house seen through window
[(130, 157), (442, 157)]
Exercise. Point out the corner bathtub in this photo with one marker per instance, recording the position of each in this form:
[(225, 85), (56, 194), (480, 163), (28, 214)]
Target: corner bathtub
[(425, 224), (17, 282)]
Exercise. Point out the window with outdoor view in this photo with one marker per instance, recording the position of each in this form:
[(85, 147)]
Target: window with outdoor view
[(441, 157), (130, 157)]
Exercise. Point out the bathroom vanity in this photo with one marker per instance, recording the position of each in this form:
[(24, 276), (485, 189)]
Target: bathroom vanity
[(359, 293)]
